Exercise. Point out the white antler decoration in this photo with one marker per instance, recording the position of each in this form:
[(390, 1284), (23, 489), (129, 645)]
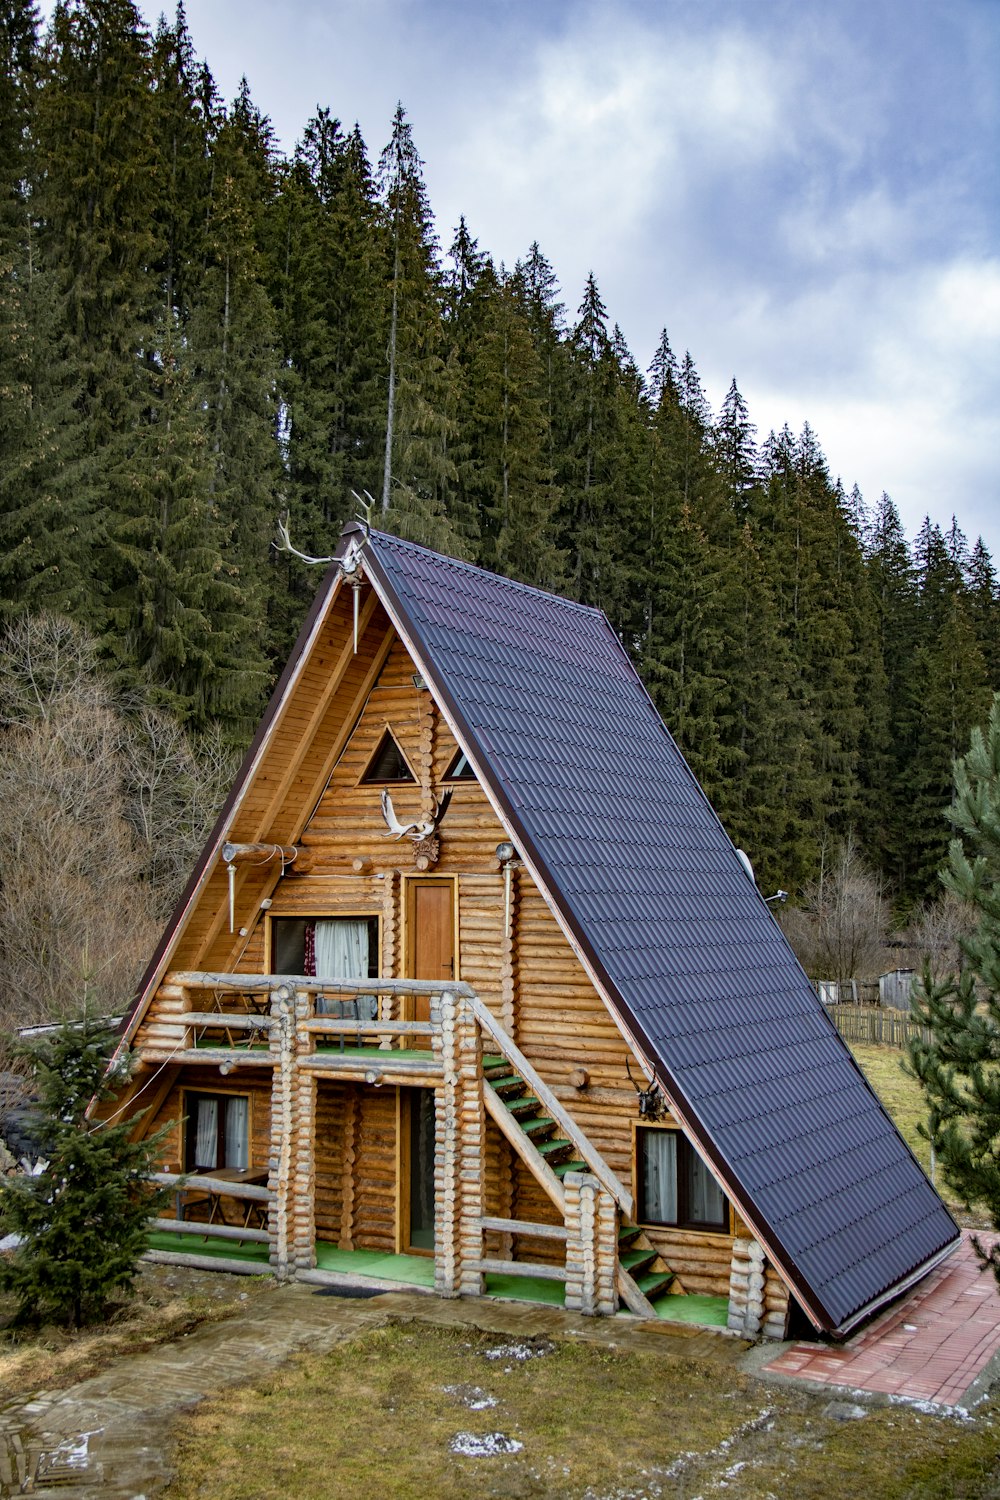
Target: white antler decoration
[(415, 831), (284, 544)]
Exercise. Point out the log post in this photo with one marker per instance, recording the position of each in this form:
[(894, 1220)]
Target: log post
[(746, 1288), (591, 1246), (459, 1154), (282, 1044), (303, 1186)]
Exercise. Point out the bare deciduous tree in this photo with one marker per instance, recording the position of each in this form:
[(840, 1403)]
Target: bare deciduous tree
[(106, 806), (839, 931)]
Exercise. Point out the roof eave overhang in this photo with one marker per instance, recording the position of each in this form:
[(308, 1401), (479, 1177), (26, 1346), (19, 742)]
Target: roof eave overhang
[(898, 1289), (160, 961)]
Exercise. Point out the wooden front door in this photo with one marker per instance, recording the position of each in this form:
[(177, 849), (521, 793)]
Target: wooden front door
[(430, 936)]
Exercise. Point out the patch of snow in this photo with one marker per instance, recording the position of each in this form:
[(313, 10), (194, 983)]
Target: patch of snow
[(11, 1241), (72, 1453), (518, 1351), (932, 1408), (471, 1396), (483, 1444)]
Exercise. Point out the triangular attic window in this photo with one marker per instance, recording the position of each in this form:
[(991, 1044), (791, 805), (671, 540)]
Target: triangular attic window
[(460, 770), (388, 763)]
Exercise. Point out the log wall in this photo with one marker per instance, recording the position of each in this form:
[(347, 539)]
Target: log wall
[(528, 975)]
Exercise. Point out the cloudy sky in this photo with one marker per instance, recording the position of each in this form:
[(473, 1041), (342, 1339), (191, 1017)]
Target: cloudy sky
[(804, 193)]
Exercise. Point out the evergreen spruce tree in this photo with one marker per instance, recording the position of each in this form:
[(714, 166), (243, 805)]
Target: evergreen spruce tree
[(83, 1219), (958, 1065), (328, 292), (418, 473), (507, 432), (21, 356)]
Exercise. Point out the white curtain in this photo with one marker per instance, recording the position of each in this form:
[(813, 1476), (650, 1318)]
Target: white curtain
[(659, 1159), (706, 1206), (206, 1142), (341, 949), (237, 1134)]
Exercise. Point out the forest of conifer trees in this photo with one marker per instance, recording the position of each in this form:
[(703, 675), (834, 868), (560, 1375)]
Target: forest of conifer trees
[(198, 334)]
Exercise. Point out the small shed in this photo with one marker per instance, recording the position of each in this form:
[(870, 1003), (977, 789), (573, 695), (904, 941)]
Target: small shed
[(896, 987)]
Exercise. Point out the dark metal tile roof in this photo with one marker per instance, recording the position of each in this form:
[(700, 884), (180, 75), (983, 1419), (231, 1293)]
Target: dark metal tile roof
[(603, 805)]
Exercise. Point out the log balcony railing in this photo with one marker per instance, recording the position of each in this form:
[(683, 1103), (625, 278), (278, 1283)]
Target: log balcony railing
[(271, 1020)]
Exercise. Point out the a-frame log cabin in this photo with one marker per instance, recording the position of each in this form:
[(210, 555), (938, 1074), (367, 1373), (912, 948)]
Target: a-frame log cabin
[(464, 887)]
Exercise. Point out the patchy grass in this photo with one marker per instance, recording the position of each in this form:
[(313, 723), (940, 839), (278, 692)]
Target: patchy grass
[(904, 1099), (397, 1411), (168, 1301)]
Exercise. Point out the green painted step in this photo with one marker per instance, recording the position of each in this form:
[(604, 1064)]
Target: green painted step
[(491, 1060), (540, 1125), (513, 1083), (637, 1260), (554, 1147), (561, 1168), (627, 1233), (524, 1104), (654, 1282)]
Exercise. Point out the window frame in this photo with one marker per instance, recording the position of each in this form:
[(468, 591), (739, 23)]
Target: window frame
[(687, 1155), (367, 778), (460, 778), (189, 1115), (374, 950)]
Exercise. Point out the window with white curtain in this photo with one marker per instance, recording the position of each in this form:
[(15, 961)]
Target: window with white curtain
[(327, 947), (673, 1184), (218, 1132)]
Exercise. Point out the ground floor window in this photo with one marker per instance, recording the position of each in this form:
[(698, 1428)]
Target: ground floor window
[(673, 1185), (218, 1132)]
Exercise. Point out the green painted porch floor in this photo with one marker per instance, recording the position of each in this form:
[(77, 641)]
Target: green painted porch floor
[(325, 1047), (414, 1270), (196, 1244), (709, 1312), (418, 1270)]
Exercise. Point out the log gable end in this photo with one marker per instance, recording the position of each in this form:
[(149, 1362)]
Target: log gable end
[(471, 1103)]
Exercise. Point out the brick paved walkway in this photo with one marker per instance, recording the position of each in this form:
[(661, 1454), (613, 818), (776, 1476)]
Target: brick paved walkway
[(929, 1347)]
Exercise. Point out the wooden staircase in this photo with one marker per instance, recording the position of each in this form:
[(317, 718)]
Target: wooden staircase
[(643, 1275)]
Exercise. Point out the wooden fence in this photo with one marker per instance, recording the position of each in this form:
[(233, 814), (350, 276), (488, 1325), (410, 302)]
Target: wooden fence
[(870, 1023)]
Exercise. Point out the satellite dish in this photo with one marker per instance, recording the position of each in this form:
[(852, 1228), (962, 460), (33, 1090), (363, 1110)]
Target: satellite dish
[(744, 860)]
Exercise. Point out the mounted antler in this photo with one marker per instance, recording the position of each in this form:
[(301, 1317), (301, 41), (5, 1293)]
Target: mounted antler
[(284, 544), (418, 830), (367, 505), (651, 1101)]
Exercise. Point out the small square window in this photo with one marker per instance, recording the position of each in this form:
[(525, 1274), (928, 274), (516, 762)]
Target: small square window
[(673, 1184)]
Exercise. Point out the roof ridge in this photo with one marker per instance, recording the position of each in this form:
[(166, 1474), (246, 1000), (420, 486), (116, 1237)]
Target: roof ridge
[(467, 567)]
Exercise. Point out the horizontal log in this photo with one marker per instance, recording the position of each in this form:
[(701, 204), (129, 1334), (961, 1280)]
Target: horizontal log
[(391, 1067), (490, 1265), (235, 1057), (209, 1263), (193, 1183), (310, 983), (348, 1026), (523, 1226), (236, 853), (211, 1231), (237, 1021)]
